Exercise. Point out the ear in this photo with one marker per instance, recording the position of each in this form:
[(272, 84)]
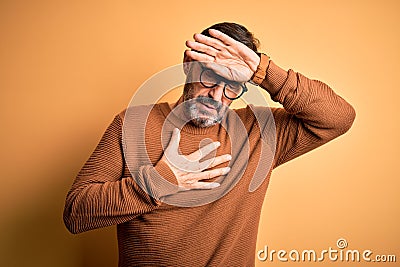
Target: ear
[(186, 63)]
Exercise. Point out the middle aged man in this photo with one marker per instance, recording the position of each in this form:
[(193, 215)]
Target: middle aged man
[(174, 201)]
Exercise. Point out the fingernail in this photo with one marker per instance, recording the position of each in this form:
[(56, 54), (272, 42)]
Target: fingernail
[(217, 143), (228, 157), (226, 170)]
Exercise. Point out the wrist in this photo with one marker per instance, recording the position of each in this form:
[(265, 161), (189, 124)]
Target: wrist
[(261, 70)]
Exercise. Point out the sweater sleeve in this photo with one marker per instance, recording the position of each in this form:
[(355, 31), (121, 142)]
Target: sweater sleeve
[(100, 196), (312, 113)]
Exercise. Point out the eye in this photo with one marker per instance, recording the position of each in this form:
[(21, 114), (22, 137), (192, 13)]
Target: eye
[(235, 87), (233, 90), (208, 78)]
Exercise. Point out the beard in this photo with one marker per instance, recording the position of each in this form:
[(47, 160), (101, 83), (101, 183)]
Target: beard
[(202, 111)]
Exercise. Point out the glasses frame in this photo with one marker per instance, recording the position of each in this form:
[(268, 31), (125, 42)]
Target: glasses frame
[(244, 87)]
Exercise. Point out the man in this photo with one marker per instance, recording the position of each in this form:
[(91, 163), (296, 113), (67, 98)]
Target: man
[(174, 204)]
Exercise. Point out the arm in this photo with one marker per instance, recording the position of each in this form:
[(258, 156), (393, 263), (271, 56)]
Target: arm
[(100, 196), (313, 114)]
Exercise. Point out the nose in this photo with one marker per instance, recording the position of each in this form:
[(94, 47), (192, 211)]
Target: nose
[(217, 93)]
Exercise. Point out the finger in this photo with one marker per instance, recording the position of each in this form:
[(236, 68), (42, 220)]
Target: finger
[(209, 50), (235, 47), (175, 139), (195, 177), (204, 185), (220, 159), (226, 39), (210, 163), (217, 44), (218, 69), (205, 150), (198, 56), (204, 165)]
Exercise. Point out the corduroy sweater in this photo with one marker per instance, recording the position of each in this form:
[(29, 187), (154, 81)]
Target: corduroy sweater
[(116, 188)]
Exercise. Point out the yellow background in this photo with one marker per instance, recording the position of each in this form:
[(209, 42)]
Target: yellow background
[(67, 67)]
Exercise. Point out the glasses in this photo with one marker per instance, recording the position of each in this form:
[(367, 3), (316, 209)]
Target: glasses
[(232, 90)]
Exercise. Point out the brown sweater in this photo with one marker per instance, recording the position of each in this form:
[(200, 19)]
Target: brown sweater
[(117, 188)]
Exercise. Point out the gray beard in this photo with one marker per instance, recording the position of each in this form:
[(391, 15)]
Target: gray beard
[(201, 117)]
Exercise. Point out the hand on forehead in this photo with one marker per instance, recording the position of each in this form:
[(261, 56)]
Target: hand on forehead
[(227, 57), (209, 46)]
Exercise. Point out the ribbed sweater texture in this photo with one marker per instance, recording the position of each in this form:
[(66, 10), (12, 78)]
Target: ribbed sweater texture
[(118, 188)]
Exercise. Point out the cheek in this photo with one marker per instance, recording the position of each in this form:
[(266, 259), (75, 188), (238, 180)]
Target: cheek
[(226, 102)]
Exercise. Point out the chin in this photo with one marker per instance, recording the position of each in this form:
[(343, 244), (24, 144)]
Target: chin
[(204, 122)]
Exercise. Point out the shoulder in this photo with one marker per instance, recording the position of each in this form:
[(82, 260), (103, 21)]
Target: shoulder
[(250, 112), (261, 117), (142, 111)]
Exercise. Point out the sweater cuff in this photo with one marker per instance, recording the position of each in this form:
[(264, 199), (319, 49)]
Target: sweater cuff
[(167, 183), (274, 79)]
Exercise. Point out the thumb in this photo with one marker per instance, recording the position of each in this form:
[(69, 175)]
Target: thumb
[(175, 139)]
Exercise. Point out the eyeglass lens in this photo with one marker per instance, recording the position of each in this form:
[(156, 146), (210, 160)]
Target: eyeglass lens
[(209, 79)]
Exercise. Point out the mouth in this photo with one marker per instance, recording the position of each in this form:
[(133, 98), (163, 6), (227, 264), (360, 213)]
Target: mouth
[(208, 106)]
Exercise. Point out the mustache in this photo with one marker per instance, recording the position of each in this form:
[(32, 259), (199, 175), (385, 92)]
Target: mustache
[(209, 101)]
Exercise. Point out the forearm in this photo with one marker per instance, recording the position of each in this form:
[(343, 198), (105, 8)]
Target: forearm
[(95, 202), (312, 101), (105, 192), (313, 113)]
